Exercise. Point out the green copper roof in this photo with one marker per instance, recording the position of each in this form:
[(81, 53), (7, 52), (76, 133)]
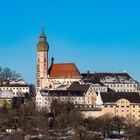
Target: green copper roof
[(42, 44)]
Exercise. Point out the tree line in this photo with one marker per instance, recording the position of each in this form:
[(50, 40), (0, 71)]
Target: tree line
[(61, 117)]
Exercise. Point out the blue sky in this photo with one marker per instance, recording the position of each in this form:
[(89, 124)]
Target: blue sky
[(100, 36)]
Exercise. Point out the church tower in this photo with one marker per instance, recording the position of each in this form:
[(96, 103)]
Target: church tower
[(42, 62)]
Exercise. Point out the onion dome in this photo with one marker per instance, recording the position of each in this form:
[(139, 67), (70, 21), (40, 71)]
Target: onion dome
[(42, 45)]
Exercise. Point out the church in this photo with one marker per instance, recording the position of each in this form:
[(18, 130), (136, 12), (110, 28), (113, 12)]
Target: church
[(94, 94), (58, 75)]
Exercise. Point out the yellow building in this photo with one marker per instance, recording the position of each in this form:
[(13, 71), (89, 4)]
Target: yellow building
[(7, 102), (122, 104)]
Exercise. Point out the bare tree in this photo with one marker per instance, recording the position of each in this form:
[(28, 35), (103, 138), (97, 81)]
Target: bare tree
[(8, 73)]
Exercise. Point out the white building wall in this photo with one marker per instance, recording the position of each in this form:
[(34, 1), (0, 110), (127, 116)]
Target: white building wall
[(45, 101), (94, 114), (123, 87), (17, 91)]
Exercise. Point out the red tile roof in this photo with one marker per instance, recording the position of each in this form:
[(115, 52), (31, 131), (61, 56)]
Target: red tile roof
[(64, 70)]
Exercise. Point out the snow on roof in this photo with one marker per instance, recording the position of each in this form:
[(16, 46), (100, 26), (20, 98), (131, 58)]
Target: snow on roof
[(13, 82), (110, 78)]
